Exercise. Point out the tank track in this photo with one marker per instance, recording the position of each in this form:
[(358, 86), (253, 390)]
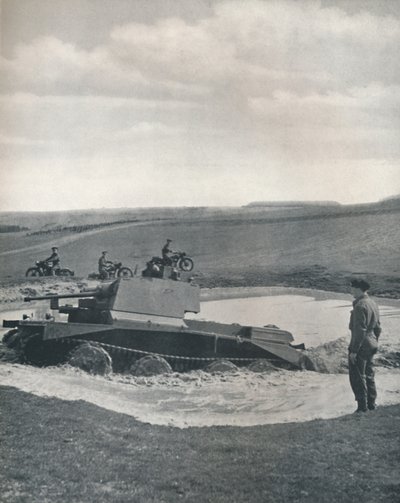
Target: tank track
[(120, 353), (178, 363)]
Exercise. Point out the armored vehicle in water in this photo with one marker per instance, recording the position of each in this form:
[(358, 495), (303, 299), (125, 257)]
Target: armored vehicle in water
[(141, 316)]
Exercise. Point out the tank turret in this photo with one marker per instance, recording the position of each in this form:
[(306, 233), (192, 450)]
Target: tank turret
[(162, 300)]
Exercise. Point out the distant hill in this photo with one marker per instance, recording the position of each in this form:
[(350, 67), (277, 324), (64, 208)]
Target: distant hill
[(42, 221), (329, 208), (291, 204), (56, 221), (391, 198)]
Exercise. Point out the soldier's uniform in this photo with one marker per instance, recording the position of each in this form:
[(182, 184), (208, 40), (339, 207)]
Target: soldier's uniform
[(53, 261), (165, 252), (103, 266), (365, 331)]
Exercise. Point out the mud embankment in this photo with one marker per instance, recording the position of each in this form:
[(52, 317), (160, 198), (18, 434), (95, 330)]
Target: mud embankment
[(314, 277), (12, 293)]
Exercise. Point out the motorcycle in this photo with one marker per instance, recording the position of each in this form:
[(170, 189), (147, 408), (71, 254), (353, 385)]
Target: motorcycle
[(114, 270), (42, 268), (182, 261), (177, 259)]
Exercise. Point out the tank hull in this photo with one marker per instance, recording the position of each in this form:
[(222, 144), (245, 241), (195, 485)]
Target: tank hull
[(192, 345), (142, 316)]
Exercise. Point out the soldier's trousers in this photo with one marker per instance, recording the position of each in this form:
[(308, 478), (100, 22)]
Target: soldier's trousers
[(362, 378)]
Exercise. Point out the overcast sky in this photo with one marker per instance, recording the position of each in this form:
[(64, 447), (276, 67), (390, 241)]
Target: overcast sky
[(111, 103)]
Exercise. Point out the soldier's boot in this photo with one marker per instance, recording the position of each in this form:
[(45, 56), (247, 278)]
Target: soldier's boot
[(362, 406)]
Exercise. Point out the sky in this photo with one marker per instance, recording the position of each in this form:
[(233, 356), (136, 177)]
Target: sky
[(137, 103)]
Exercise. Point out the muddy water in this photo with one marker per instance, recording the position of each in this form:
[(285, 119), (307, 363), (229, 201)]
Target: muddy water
[(312, 320), (242, 398)]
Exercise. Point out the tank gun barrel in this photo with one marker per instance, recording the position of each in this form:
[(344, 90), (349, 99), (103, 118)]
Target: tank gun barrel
[(80, 295), (101, 291)]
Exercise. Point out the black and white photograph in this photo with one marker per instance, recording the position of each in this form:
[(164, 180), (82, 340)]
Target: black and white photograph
[(199, 251)]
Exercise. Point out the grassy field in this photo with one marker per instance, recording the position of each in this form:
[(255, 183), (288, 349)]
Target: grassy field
[(55, 451), (357, 243)]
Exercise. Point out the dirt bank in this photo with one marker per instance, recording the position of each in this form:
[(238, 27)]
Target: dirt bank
[(12, 292), (314, 277)]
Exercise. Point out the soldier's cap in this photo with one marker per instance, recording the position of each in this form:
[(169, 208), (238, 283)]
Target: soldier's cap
[(361, 284), (169, 240), (105, 251), (54, 248)]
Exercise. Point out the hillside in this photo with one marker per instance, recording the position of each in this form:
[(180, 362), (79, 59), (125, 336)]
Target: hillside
[(38, 221), (233, 240)]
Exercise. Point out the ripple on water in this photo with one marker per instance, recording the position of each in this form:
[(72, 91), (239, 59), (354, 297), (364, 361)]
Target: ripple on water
[(243, 399)]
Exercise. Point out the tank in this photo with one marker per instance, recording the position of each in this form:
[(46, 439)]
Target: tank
[(145, 316)]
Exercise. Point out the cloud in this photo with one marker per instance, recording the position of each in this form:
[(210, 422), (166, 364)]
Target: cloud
[(265, 87), (49, 66), (346, 105), (271, 41), (145, 128), (86, 122), (360, 123), (172, 50), (44, 63), (21, 141), (29, 99), (251, 45)]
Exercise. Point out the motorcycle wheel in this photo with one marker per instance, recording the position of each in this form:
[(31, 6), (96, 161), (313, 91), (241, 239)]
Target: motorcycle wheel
[(186, 264), (65, 272), (125, 272), (32, 272)]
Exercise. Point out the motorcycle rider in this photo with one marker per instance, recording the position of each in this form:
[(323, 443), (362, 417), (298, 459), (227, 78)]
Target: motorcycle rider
[(104, 266), (53, 262), (166, 252)]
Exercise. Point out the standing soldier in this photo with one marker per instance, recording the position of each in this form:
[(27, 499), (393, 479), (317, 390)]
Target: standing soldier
[(53, 262), (365, 331)]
